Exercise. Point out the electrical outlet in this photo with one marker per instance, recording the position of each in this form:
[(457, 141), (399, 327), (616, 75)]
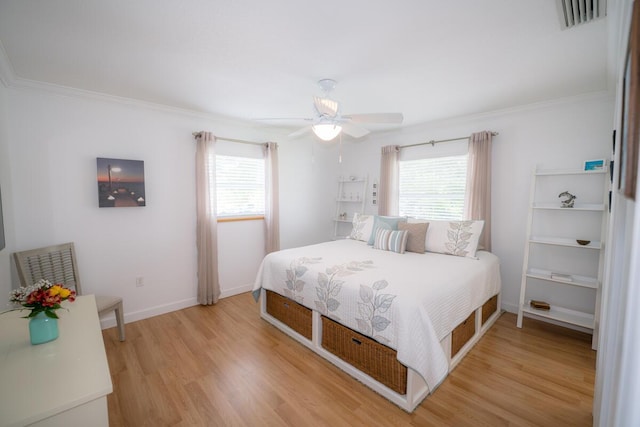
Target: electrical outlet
[(139, 282)]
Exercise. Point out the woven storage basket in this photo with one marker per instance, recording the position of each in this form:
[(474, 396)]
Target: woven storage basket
[(463, 333), (289, 312), (489, 308), (374, 359)]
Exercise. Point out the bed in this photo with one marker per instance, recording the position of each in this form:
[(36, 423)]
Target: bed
[(398, 322)]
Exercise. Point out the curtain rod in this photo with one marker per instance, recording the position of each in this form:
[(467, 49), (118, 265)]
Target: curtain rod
[(241, 141), (434, 142)]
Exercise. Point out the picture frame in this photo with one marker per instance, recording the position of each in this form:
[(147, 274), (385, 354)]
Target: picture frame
[(623, 127), (630, 114), (2, 240), (120, 183), (613, 140), (594, 165), (611, 169)]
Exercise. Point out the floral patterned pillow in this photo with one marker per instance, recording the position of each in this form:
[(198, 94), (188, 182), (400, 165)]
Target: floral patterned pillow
[(362, 227), (459, 238)]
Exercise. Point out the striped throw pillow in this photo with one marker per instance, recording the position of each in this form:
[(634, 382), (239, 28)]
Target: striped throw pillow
[(389, 240)]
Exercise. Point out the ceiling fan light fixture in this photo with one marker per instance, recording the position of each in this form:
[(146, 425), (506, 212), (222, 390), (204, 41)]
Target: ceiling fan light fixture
[(327, 131)]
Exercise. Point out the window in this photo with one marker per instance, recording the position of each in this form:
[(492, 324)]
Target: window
[(433, 188), (239, 186)]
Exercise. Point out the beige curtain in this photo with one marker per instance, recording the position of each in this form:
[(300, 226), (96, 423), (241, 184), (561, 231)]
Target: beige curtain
[(477, 202), (271, 208), (389, 181), (206, 221)]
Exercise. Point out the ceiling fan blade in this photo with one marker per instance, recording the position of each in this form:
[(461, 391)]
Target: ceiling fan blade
[(375, 118), (325, 106), (353, 130), (300, 132), (284, 119)]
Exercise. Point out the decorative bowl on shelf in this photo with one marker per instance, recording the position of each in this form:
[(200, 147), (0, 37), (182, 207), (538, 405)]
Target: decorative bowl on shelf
[(583, 242), (540, 305)]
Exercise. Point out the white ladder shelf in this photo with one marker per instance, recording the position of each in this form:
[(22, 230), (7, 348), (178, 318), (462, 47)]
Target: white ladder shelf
[(350, 199), (557, 269)]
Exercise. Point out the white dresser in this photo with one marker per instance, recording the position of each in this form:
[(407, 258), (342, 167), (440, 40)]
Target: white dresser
[(60, 383)]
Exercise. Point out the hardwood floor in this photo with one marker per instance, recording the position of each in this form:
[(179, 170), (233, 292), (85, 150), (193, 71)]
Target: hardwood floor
[(223, 365)]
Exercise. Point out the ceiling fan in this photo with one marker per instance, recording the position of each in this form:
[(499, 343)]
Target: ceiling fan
[(329, 122)]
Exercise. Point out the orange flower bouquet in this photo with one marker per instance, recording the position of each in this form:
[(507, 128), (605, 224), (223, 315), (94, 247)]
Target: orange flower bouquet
[(42, 297)]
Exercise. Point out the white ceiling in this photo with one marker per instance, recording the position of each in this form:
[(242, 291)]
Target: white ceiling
[(429, 59)]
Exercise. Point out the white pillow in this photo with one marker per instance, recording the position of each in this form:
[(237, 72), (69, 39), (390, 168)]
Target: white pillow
[(362, 227), (459, 238)]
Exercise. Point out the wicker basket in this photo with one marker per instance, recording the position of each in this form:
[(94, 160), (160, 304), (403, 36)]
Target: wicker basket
[(289, 312), (489, 308), (463, 333), (374, 359)]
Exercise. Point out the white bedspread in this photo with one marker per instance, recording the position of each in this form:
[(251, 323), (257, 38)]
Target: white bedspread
[(409, 301)]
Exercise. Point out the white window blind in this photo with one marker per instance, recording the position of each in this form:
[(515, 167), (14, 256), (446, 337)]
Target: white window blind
[(433, 188), (239, 186)]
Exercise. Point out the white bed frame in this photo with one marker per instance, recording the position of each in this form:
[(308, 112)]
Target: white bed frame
[(417, 389)]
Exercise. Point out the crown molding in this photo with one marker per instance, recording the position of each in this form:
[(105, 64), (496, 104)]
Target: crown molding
[(66, 91), (9, 80), (35, 85), (603, 95), (6, 69)]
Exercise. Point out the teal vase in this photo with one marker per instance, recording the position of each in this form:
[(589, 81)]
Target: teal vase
[(42, 329)]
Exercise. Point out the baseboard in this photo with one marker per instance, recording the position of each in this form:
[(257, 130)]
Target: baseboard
[(110, 321), (235, 291), (511, 308)]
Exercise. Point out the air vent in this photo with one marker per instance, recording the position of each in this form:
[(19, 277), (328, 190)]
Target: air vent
[(576, 12)]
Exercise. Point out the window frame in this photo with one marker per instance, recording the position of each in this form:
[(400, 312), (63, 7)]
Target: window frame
[(441, 151), (247, 216)]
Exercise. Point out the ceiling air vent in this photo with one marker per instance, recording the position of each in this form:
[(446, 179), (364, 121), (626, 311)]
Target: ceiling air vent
[(576, 12)]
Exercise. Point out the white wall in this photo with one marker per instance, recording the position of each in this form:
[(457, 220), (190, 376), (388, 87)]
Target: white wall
[(560, 134), (308, 174), (53, 142), (7, 204)]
